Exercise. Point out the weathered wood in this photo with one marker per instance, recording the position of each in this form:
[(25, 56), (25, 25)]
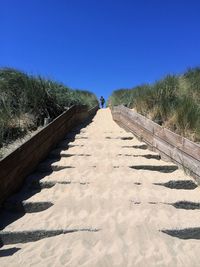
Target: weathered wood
[(192, 148), (178, 156), (139, 131), (180, 150), (21, 162)]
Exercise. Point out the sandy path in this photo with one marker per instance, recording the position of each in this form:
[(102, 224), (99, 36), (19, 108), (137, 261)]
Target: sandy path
[(116, 211)]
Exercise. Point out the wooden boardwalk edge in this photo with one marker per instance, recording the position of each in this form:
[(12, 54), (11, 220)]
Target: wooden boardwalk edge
[(20, 163), (183, 152)]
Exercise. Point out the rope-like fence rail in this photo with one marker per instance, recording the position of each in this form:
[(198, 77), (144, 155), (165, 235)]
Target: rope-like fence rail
[(16, 166), (178, 149)]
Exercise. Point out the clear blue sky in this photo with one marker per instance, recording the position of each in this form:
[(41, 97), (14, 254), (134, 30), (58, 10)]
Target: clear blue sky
[(100, 45)]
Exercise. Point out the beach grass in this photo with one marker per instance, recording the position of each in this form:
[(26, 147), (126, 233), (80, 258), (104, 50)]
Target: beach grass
[(173, 102), (25, 100)]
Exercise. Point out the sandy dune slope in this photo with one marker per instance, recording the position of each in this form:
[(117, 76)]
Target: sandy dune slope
[(104, 200)]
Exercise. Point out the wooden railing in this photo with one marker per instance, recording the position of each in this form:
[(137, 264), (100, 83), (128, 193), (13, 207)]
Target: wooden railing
[(180, 150), (17, 165)]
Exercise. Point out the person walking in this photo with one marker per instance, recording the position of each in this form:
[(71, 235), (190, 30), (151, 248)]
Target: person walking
[(102, 101)]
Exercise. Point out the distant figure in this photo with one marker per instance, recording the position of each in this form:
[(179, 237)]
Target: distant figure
[(102, 101)]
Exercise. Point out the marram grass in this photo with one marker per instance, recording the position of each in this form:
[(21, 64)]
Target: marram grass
[(173, 102), (25, 101)]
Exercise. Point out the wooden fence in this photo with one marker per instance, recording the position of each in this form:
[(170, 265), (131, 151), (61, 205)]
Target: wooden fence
[(180, 150), (17, 165)]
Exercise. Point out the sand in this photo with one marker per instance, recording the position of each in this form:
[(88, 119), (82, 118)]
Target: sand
[(116, 212)]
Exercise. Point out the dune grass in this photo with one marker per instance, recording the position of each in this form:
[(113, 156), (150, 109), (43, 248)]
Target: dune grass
[(25, 101), (173, 102)]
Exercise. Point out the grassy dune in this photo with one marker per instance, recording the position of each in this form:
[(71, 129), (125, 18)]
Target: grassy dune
[(173, 102), (25, 101)]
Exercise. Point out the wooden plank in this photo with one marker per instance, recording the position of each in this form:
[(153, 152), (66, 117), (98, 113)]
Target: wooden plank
[(191, 148), (170, 137), (142, 121), (181, 150), (163, 133), (178, 156), (138, 130), (21, 162)]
